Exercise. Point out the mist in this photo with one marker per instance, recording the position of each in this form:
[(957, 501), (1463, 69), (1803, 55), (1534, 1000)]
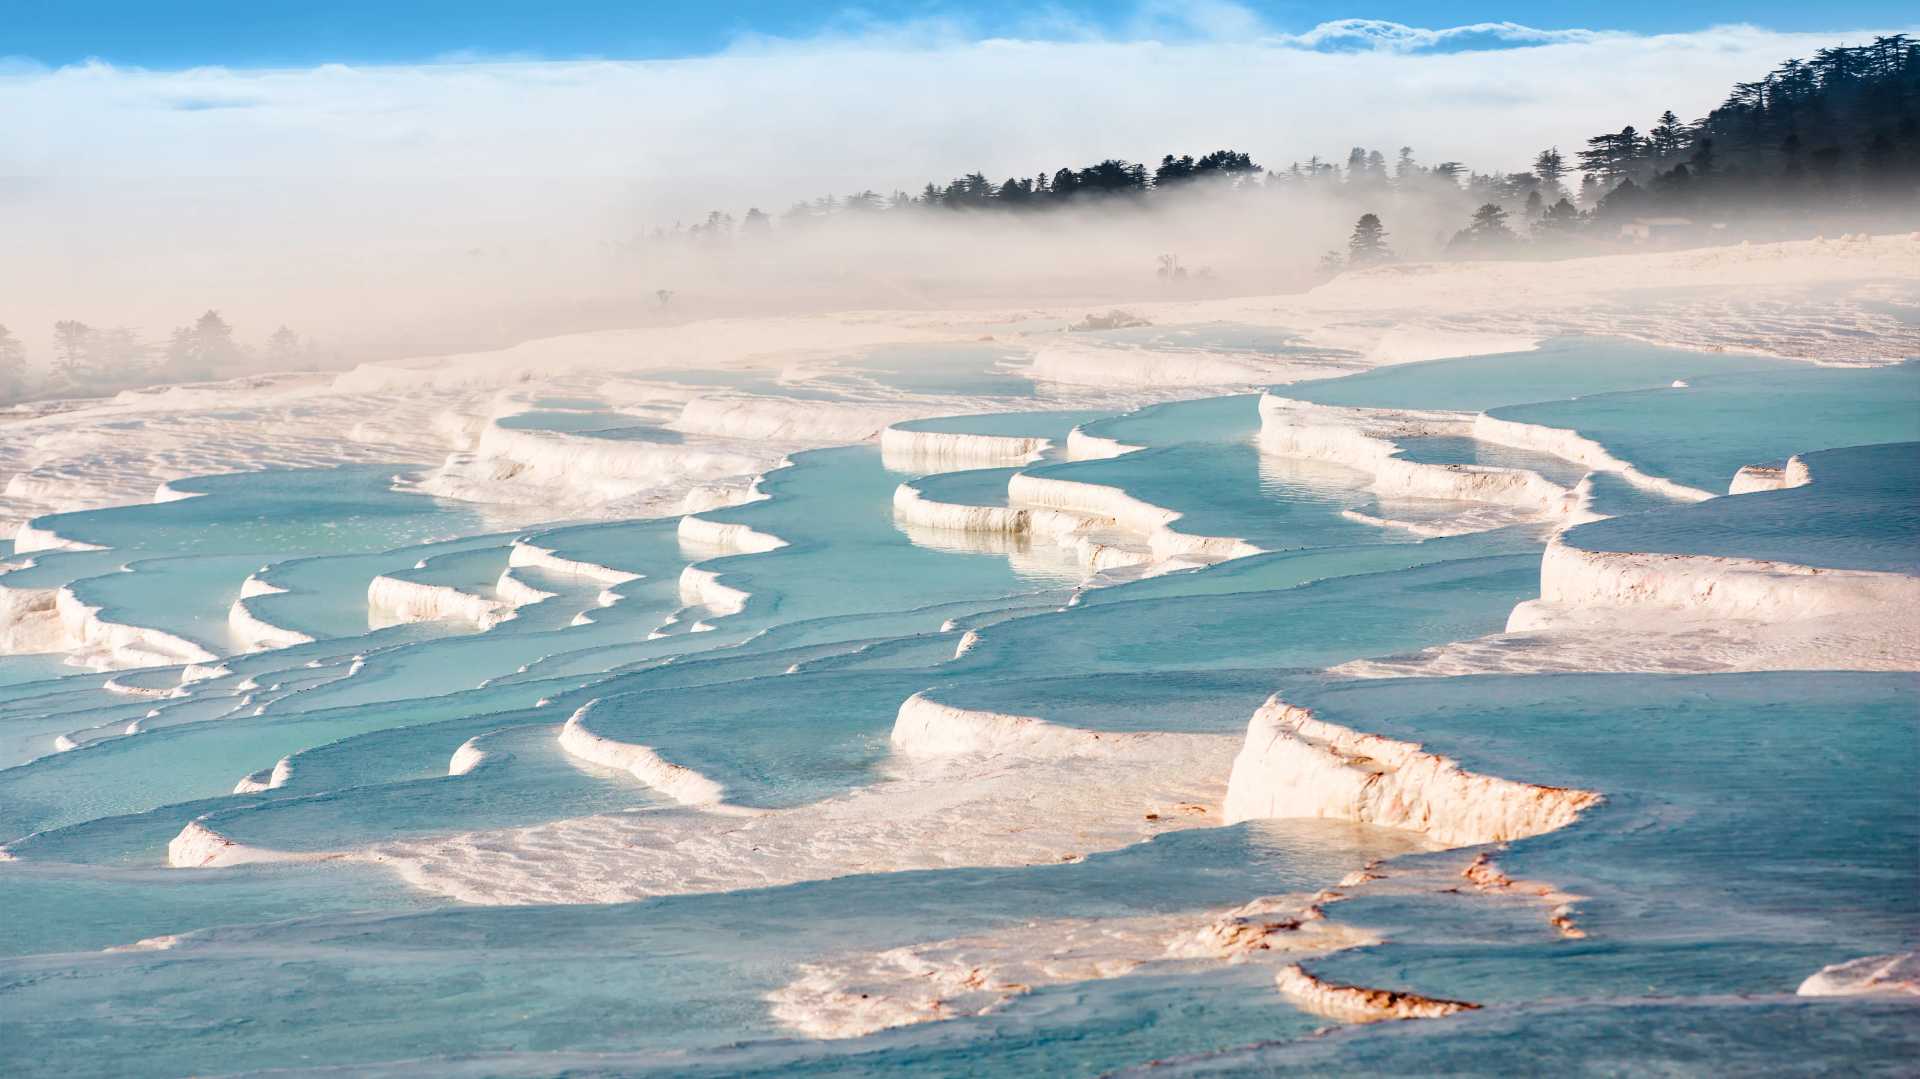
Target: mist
[(382, 211)]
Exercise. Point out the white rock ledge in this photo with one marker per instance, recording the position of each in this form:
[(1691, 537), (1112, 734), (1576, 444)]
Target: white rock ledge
[(1572, 446), (1358, 1004), (526, 553), (1874, 975), (1102, 502), (1297, 765), (253, 633), (396, 600), (719, 537), (1361, 439), (1752, 478), (681, 784), (925, 728), (1571, 577), (908, 450)]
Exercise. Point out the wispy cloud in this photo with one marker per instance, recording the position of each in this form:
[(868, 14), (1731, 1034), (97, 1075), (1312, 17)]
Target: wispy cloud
[(888, 105), (1378, 35)]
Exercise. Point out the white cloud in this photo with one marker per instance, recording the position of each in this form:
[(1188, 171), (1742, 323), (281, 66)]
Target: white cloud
[(1397, 37)]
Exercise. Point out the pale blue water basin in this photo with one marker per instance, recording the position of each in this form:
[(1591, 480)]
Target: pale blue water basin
[(766, 383), (672, 975), (189, 556), (972, 487), (1458, 450), (1228, 337), (1703, 434), (1190, 702), (844, 556), (591, 424), (305, 511), (1226, 489), (186, 597), (1322, 623), (1756, 828), (773, 741), (29, 669), (326, 595), (1862, 512), (1651, 1036), (1053, 425), (974, 368), (1212, 419), (525, 778), (472, 569), (1559, 369), (79, 909), (1287, 569)]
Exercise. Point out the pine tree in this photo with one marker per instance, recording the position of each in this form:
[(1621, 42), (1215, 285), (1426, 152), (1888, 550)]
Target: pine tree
[(73, 352), (283, 348), (119, 356), (214, 339), (1549, 166), (1490, 220), (1368, 244), (1560, 221), (1667, 136), (1487, 232), (13, 363)]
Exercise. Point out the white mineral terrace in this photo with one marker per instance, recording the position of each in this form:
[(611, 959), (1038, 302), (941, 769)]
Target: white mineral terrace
[(1362, 439), (907, 450)]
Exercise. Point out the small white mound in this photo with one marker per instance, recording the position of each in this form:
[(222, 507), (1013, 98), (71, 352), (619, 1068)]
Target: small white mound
[(1763, 478), (467, 758), (266, 779), (702, 588), (249, 630), (516, 593), (200, 847), (1082, 446)]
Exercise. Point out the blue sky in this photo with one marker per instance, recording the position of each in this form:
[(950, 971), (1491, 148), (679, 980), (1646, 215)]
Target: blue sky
[(272, 33)]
